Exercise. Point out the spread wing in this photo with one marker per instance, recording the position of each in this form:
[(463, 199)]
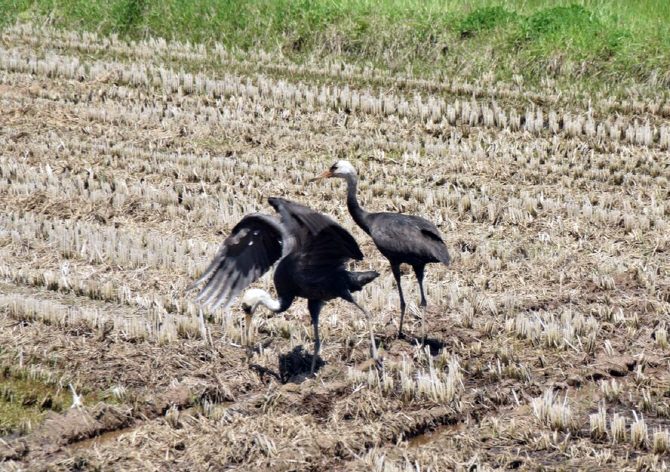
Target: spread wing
[(251, 249), (319, 241)]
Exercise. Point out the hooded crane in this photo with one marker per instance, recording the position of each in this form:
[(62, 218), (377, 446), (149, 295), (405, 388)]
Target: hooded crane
[(312, 251), (400, 238)]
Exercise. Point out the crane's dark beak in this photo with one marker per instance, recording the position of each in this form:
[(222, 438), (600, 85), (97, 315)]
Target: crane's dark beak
[(325, 175)]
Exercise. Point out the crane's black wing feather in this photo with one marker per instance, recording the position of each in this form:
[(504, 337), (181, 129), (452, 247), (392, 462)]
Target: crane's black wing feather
[(251, 249), (320, 241)]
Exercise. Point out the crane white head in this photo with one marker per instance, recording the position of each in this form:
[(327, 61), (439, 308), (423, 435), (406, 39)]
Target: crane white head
[(341, 169), (254, 297)]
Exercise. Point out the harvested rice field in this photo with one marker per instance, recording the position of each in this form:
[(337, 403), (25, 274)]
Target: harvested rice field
[(124, 165)]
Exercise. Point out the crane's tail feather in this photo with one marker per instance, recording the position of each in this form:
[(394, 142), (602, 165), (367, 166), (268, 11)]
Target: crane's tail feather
[(358, 280)]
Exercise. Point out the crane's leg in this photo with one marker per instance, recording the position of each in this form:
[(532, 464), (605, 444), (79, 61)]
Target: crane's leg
[(314, 307), (419, 270), (395, 268), (348, 297)]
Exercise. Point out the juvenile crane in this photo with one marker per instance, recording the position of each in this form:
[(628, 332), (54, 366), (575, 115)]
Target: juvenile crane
[(400, 238), (312, 251)]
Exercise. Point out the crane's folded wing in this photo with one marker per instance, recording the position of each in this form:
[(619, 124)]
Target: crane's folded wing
[(408, 234)]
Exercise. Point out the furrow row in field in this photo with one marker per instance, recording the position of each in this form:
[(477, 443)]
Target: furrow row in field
[(241, 119), (226, 120), (102, 320), (495, 205), (160, 50), (130, 249), (625, 172), (103, 263), (268, 92), (79, 305)]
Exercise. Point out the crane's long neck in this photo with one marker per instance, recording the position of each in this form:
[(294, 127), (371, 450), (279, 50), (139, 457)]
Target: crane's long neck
[(359, 215), (258, 297), (270, 303)]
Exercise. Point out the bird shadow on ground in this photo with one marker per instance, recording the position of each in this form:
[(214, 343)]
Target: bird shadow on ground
[(293, 366), (263, 371)]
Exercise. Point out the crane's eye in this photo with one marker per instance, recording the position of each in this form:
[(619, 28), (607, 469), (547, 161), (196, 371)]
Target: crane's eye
[(333, 168)]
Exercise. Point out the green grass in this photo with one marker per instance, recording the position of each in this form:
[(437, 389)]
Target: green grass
[(24, 402), (602, 41), (26, 398)]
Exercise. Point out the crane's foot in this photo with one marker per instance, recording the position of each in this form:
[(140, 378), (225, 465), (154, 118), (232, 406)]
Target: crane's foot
[(316, 365)]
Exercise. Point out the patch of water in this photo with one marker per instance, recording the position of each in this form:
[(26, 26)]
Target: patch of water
[(110, 436), (103, 438), (431, 436)]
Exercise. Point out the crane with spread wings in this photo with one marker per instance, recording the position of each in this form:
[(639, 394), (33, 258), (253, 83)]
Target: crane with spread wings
[(312, 251)]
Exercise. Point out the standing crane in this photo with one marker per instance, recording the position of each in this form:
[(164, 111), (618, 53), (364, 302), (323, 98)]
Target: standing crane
[(312, 251), (400, 238)]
